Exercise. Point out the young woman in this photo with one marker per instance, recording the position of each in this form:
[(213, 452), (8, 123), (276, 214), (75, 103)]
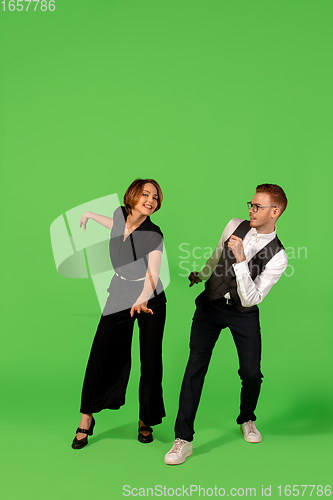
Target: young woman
[(135, 292)]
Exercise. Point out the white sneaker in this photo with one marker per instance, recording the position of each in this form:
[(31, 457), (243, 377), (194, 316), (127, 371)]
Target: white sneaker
[(251, 433), (179, 452)]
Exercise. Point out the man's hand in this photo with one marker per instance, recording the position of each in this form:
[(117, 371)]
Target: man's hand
[(140, 307), (236, 246), (194, 278)]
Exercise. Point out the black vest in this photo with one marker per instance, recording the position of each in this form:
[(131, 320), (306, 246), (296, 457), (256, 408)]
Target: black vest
[(223, 279)]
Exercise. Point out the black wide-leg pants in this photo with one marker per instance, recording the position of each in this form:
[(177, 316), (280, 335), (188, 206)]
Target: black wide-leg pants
[(109, 364), (209, 319)]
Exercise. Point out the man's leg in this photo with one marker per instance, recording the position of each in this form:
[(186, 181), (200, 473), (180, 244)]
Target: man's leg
[(207, 323), (245, 329), (206, 326)]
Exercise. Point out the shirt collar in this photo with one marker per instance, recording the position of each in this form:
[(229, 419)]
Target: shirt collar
[(263, 237)]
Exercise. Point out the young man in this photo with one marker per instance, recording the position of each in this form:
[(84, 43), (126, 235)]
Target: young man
[(248, 260)]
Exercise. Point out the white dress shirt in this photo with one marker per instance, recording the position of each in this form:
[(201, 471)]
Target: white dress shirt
[(250, 292)]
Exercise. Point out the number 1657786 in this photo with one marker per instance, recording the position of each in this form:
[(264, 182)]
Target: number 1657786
[(23, 5)]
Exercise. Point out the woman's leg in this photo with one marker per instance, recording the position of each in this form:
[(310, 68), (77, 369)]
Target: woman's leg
[(85, 423), (108, 366), (150, 390)]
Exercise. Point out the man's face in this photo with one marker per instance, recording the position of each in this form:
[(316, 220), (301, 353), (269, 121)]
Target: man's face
[(262, 219)]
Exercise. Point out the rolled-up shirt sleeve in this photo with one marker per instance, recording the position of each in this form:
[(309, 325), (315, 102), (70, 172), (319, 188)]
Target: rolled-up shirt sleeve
[(252, 292)]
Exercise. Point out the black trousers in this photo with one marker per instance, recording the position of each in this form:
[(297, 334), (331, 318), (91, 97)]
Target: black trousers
[(209, 319), (109, 364)]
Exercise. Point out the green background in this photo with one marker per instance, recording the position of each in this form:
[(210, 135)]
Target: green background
[(210, 98)]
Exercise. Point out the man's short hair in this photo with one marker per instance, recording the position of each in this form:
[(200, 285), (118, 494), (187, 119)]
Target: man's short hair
[(276, 193), (134, 192)]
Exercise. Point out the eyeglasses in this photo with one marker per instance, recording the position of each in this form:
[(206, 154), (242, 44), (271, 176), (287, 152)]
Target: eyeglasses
[(255, 207)]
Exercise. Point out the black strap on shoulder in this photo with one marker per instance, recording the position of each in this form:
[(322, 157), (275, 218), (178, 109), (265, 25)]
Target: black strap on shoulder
[(243, 228), (133, 247), (268, 251)]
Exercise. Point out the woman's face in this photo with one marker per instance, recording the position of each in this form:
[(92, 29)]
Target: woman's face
[(148, 201)]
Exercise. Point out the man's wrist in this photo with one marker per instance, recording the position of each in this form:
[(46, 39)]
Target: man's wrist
[(240, 268)]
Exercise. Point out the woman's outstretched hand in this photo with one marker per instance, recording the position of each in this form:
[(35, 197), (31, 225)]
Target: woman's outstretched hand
[(140, 307), (83, 221)]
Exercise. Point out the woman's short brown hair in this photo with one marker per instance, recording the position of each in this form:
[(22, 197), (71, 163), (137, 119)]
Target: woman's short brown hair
[(134, 192)]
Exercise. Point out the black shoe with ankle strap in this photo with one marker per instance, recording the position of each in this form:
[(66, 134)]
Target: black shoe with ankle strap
[(77, 444), (145, 439)]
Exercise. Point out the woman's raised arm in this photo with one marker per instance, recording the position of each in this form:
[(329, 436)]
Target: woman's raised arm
[(101, 219)]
